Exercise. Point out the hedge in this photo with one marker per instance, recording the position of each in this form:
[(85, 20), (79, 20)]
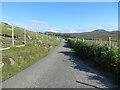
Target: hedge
[(106, 59)]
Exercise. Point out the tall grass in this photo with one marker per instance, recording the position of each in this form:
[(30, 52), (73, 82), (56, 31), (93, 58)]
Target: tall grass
[(24, 57)]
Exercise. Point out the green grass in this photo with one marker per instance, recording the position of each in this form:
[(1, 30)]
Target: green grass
[(100, 57), (102, 43), (24, 57), (18, 32)]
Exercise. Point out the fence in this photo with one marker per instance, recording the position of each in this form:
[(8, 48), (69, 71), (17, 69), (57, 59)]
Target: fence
[(13, 41), (110, 43)]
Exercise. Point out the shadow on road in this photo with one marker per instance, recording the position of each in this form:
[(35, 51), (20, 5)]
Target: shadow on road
[(79, 65), (89, 85), (66, 45)]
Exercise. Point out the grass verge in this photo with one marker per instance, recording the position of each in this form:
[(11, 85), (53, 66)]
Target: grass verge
[(23, 57)]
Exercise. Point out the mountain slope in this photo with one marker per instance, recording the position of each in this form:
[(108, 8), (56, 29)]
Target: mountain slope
[(97, 34)]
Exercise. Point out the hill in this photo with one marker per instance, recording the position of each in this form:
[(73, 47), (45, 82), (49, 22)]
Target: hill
[(6, 35), (97, 34), (16, 59)]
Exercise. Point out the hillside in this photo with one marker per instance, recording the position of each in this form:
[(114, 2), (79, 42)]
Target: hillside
[(16, 59), (6, 35), (18, 34), (97, 34)]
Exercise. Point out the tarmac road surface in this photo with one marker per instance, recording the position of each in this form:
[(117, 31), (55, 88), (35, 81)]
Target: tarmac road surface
[(59, 69)]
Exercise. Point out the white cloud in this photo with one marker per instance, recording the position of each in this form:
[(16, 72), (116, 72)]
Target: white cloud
[(53, 30), (38, 21), (70, 29), (73, 31), (6, 17)]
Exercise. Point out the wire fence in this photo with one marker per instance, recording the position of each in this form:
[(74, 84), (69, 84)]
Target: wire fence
[(110, 43)]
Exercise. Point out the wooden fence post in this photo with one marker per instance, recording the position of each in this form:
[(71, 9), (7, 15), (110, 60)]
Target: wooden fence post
[(83, 40), (109, 42), (12, 35)]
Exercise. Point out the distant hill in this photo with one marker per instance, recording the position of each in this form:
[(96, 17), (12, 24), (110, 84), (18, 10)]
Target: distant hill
[(97, 34)]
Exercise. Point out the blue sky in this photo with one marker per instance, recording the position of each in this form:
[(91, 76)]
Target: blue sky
[(62, 16)]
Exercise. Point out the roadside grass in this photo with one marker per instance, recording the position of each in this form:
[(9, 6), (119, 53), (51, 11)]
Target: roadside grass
[(102, 43), (24, 56), (18, 33)]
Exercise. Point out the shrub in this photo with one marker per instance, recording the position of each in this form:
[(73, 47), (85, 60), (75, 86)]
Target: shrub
[(101, 56)]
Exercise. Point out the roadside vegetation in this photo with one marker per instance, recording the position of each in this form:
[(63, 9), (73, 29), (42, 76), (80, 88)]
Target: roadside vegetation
[(95, 37), (99, 56), (22, 57), (16, 59)]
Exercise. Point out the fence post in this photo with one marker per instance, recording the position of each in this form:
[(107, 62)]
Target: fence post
[(12, 35), (36, 32), (109, 42), (83, 40), (24, 36)]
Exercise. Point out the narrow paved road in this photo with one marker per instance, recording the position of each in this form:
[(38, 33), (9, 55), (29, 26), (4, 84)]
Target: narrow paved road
[(59, 69)]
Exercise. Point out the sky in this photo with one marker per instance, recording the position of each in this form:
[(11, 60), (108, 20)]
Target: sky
[(64, 17), (60, 0)]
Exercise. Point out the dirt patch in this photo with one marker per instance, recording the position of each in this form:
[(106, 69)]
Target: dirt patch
[(26, 56)]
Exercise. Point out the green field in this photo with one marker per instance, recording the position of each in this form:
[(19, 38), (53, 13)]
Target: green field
[(100, 42)]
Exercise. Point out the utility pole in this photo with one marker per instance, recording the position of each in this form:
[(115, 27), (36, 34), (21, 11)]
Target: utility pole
[(12, 35)]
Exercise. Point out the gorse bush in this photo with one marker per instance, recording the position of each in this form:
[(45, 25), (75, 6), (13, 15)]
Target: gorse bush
[(100, 56)]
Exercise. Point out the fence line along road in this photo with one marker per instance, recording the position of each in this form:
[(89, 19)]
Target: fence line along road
[(10, 47), (20, 46), (4, 48)]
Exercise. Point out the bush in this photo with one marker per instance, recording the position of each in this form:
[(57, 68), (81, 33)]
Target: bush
[(101, 56)]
